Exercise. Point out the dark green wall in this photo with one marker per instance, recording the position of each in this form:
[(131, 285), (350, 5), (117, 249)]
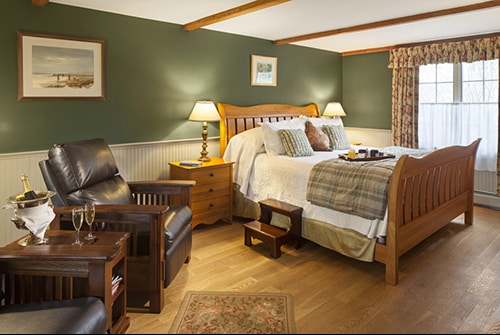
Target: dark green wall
[(155, 72), (367, 89)]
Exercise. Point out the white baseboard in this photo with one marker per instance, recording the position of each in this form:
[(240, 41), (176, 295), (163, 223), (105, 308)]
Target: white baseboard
[(487, 200)]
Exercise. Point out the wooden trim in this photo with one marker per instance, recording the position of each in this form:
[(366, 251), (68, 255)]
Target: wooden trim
[(390, 22), (388, 48), (366, 51), (39, 3), (231, 13)]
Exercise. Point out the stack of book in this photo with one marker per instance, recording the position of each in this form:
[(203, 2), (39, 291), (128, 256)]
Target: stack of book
[(190, 163), (115, 283)]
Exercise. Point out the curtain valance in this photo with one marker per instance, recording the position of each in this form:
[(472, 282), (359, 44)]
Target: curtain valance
[(446, 52)]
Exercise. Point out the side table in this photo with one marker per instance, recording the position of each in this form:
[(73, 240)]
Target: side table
[(60, 270), (212, 196)]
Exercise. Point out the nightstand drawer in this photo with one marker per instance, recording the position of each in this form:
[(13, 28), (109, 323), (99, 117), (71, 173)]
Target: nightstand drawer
[(221, 188), (213, 204), (210, 175)]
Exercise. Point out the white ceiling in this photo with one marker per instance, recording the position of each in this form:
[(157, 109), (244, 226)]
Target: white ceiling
[(300, 17)]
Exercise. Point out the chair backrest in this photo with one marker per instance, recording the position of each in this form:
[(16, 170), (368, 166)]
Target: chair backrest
[(84, 171)]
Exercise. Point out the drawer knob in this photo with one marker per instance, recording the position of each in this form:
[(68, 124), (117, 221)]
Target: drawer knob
[(211, 190), (211, 205), (211, 174)]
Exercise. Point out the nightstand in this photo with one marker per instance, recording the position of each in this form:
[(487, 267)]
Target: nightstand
[(212, 196)]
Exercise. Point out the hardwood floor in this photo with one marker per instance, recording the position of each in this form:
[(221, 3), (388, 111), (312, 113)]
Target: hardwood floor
[(448, 284)]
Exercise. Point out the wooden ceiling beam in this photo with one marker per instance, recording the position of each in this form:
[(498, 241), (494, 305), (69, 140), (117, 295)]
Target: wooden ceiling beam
[(230, 13), (39, 3), (390, 22)]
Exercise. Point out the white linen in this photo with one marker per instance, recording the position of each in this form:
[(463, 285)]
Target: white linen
[(285, 178), (261, 175), (242, 149), (36, 219)]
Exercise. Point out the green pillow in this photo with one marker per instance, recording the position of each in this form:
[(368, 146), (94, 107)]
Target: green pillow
[(295, 142), (338, 137)]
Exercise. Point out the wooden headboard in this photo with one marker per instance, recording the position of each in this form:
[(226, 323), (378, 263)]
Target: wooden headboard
[(236, 119)]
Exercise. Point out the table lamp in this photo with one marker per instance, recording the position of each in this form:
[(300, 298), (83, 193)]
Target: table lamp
[(204, 111), (334, 110)]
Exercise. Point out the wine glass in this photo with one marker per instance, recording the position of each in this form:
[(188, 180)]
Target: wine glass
[(77, 218), (89, 218)]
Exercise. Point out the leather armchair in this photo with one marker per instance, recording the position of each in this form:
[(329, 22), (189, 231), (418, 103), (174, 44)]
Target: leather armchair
[(155, 213)]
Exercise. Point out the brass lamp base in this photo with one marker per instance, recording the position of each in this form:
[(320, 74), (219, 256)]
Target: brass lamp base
[(204, 153), (204, 159)]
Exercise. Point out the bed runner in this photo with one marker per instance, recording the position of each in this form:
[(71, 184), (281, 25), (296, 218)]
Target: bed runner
[(358, 188)]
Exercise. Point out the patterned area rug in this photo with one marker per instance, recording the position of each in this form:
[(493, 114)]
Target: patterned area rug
[(234, 313)]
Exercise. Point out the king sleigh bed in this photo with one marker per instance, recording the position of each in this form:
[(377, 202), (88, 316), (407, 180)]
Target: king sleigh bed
[(423, 192)]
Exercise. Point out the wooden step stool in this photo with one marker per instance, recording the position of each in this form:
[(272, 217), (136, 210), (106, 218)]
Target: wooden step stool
[(273, 236)]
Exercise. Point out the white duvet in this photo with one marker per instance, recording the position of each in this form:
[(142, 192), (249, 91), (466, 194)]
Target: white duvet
[(260, 176)]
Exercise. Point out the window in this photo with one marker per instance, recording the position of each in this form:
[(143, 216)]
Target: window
[(457, 104)]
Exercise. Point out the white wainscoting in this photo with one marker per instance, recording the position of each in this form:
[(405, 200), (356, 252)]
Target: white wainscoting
[(377, 138)]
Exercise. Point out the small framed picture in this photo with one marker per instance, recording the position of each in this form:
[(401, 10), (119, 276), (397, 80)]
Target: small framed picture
[(264, 71), (52, 67)]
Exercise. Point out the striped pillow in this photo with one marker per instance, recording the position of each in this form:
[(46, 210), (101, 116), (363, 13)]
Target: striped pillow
[(295, 142), (338, 137)]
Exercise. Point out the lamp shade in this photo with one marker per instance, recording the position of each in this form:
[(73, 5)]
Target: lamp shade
[(204, 111), (334, 109)]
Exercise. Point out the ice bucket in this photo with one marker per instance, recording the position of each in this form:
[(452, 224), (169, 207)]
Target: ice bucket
[(32, 215)]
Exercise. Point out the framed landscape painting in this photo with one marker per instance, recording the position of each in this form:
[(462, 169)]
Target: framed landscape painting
[(264, 71), (52, 67)]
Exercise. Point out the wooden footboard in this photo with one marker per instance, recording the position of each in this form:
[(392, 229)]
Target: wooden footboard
[(424, 195)]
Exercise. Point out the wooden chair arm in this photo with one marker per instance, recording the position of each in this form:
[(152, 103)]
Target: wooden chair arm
[(64, 213), (122, 209)]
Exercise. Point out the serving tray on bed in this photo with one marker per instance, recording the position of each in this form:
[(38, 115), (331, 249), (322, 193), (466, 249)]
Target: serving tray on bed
[(359, 158)]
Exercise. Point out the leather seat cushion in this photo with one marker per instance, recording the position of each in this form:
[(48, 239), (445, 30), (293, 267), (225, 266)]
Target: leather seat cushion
[(176, 220), (78, 316)]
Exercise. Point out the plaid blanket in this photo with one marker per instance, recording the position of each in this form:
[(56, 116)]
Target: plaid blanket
[(358, 188)]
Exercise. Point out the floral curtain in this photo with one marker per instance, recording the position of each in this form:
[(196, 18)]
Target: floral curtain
[(405, 62), (405, 107)]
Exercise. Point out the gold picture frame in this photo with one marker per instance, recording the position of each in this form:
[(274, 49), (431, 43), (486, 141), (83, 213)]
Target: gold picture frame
[(264, 71), (53, 67)]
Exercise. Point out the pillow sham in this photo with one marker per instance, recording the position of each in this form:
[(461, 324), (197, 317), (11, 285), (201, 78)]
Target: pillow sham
[(272, 141), (295, 142), (338, 137), (317, 138)]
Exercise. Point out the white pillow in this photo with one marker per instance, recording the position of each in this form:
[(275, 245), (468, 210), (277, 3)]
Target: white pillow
[(251, 139), (272, 141)]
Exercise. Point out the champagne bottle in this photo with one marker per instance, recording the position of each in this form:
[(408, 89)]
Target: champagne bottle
[(28, 194)]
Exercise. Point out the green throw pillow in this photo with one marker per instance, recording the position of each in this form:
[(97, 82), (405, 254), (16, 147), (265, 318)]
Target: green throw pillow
[(295, 142), (338, 137)]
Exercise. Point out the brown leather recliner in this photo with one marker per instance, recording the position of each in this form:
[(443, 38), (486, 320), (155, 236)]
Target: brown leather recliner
[(155, 213)]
